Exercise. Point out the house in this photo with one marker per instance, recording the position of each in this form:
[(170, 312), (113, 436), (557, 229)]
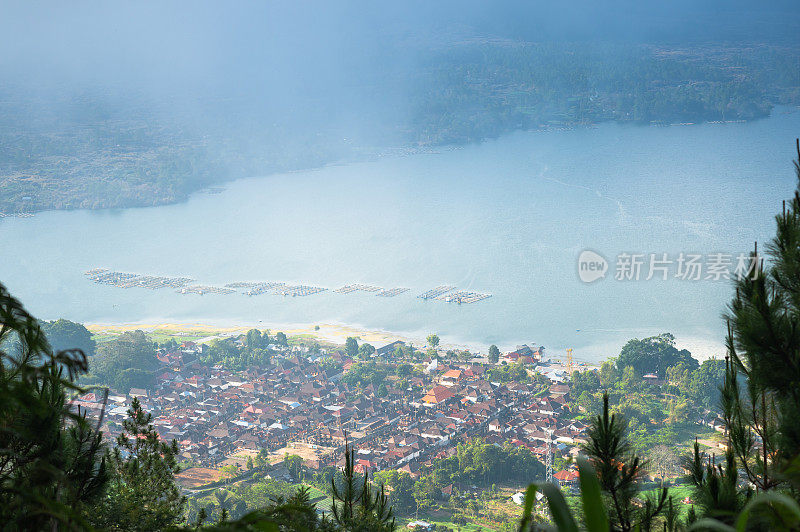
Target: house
[(497, 426), (557, 390), (438, 395), (389, 349), (565, 477), (451, 377), (653, 379), (525, 354)]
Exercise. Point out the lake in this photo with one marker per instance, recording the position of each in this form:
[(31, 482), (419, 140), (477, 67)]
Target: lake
[(508, 217)]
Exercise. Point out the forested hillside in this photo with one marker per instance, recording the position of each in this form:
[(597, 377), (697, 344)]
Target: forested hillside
[(114, 147)]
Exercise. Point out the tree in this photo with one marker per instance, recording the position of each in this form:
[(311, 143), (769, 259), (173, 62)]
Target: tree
[(401, 486), (356, 507), (654, 355), (705, 382), (764, 348), (679, 376), (64, 334), (494, 354), (261, 459), (133, 378), (585, 381), (716, 486), (364, 373), (169, 344), (296, 512), (424, 493), (142, 493), (509, 373), (433, 341), (132, 350), (628, 380), (280, 339), (366, 351), (608, 372), (294, 464), (224, 501), (351, 347), (619, 471), (662, 461), (52, 464), (253, 339), (404, 370)]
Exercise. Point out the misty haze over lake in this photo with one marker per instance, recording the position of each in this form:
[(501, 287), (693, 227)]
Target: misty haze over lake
[(508, 217)]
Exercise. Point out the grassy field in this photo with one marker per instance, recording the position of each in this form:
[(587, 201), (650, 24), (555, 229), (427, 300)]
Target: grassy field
[(157, 335)]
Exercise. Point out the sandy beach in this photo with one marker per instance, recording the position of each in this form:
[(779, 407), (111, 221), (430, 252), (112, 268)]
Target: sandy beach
[(326, 332)]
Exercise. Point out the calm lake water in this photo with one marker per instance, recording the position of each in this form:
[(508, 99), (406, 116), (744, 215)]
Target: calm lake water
[(509, 217)]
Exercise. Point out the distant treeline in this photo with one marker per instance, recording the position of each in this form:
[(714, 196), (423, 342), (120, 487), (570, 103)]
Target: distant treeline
[(482, 89)]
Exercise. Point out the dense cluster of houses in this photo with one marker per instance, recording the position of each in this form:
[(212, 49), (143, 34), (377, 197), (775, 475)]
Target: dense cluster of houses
[(214, 413)]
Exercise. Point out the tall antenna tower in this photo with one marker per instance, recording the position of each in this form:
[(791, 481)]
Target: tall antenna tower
[(570, 366), (548, 458)]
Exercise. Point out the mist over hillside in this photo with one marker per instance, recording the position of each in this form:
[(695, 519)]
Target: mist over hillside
[(140, 104)]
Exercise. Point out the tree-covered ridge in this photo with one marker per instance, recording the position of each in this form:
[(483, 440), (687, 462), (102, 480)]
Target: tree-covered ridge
[(483, 88), (112, 149)]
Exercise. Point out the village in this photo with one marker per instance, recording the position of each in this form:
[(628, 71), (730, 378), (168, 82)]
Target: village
[(256, 411), (297, 406)]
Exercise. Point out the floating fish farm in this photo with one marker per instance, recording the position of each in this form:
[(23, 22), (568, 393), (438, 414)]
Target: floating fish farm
[(203, 290), (436, 292), (183, 285), (301, 290), (133, 280), (391, 292), (256, 289), (463, 297), (357, 288)]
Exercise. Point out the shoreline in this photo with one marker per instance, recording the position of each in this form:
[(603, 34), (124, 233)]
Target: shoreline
[(374, 153), (337, 333)]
